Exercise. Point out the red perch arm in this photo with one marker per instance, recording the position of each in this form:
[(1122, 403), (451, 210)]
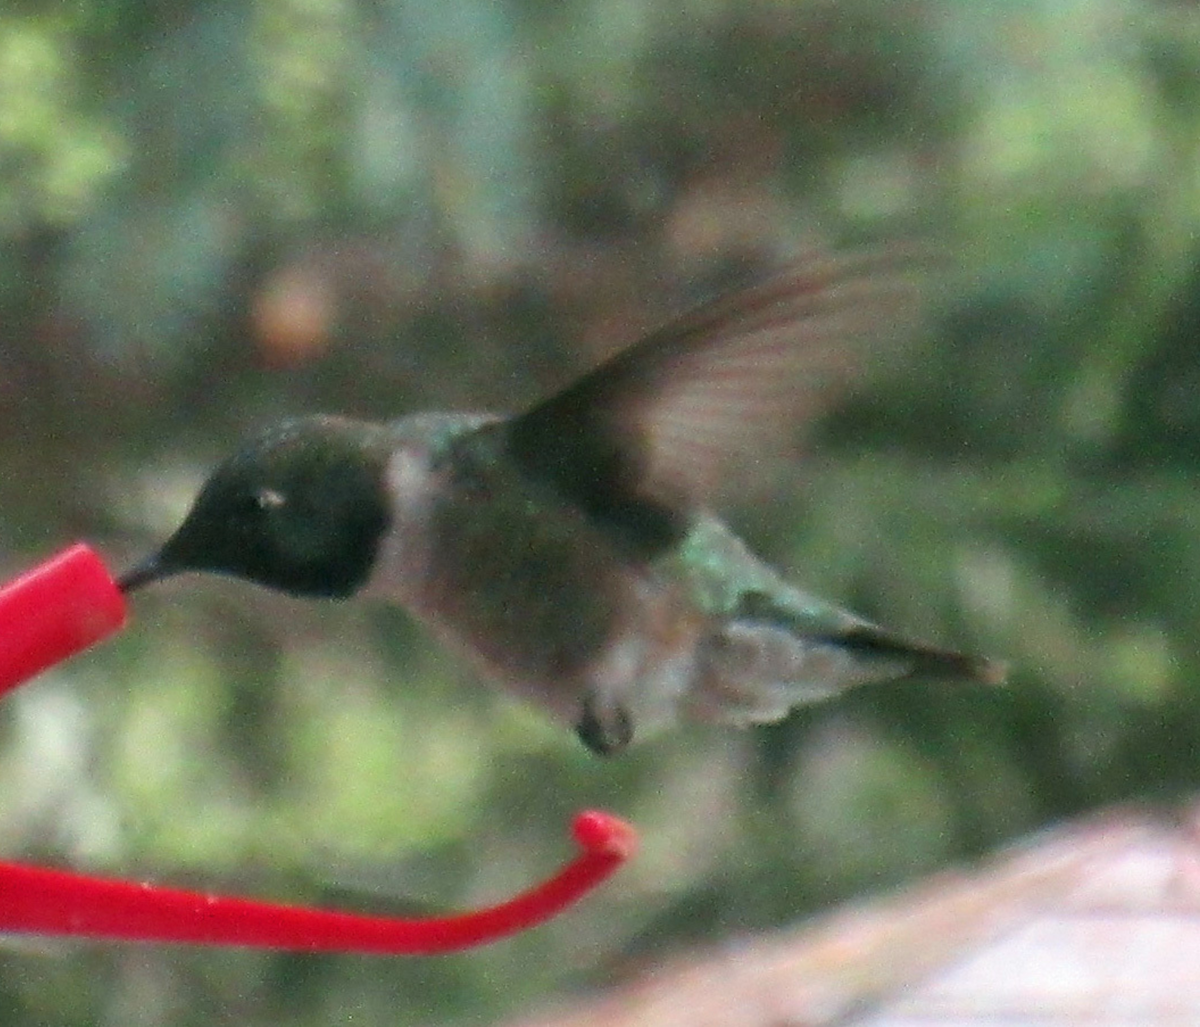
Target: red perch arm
[(41, 901), (70, 602)]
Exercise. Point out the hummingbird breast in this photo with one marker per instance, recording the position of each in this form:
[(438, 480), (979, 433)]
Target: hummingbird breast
[(503, 569), (549, 602)]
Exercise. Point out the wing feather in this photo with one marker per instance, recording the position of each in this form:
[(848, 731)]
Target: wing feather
[(659, 428)]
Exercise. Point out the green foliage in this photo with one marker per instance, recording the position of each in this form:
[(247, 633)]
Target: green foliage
[(215, 214)]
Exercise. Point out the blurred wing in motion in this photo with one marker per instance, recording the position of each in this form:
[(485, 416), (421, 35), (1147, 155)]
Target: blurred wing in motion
[(663, 426)]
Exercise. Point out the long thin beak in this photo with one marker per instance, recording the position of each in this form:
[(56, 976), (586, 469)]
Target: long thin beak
[(150, 569)]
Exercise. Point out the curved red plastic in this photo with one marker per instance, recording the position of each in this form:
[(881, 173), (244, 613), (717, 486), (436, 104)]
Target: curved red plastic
[(70, 602), (42, 901), (61, 606)]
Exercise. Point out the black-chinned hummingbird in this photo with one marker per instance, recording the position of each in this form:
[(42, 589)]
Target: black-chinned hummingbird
[(569, 550)]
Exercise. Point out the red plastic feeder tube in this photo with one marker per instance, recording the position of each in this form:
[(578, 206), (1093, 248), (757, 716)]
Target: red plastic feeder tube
[(55, 610), (42, 901), (70, 602)]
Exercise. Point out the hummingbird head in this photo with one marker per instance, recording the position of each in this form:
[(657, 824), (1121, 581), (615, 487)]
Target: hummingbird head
[(302, 508)]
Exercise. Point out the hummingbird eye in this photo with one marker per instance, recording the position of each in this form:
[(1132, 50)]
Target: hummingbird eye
[(250, 508), (268, 499)]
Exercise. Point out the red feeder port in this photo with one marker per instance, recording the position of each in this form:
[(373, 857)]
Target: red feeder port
[(71, 602), (55, 610)]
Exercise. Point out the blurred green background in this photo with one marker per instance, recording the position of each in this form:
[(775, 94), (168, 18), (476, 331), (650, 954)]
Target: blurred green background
[(216, 214)]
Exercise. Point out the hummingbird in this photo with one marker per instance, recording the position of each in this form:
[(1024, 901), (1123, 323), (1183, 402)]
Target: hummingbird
[(570, 550)]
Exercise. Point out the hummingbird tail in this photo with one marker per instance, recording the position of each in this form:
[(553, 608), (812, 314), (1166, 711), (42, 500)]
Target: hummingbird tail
[(755, 669), (923, 662)]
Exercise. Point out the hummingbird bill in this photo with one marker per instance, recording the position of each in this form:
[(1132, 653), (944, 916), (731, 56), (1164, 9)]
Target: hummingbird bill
[(570, 550)]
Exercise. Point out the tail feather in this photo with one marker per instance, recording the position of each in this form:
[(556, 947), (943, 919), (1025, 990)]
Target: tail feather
[(872, 644), (754, 670), (925, 662)]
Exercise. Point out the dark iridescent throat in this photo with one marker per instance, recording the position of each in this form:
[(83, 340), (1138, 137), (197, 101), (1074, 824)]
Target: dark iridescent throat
[(302, 509)]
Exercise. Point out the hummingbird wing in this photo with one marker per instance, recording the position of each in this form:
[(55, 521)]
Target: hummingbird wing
[(659, 428)]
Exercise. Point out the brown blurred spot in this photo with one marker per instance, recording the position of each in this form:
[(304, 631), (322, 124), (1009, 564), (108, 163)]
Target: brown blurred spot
[(293, 314)]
